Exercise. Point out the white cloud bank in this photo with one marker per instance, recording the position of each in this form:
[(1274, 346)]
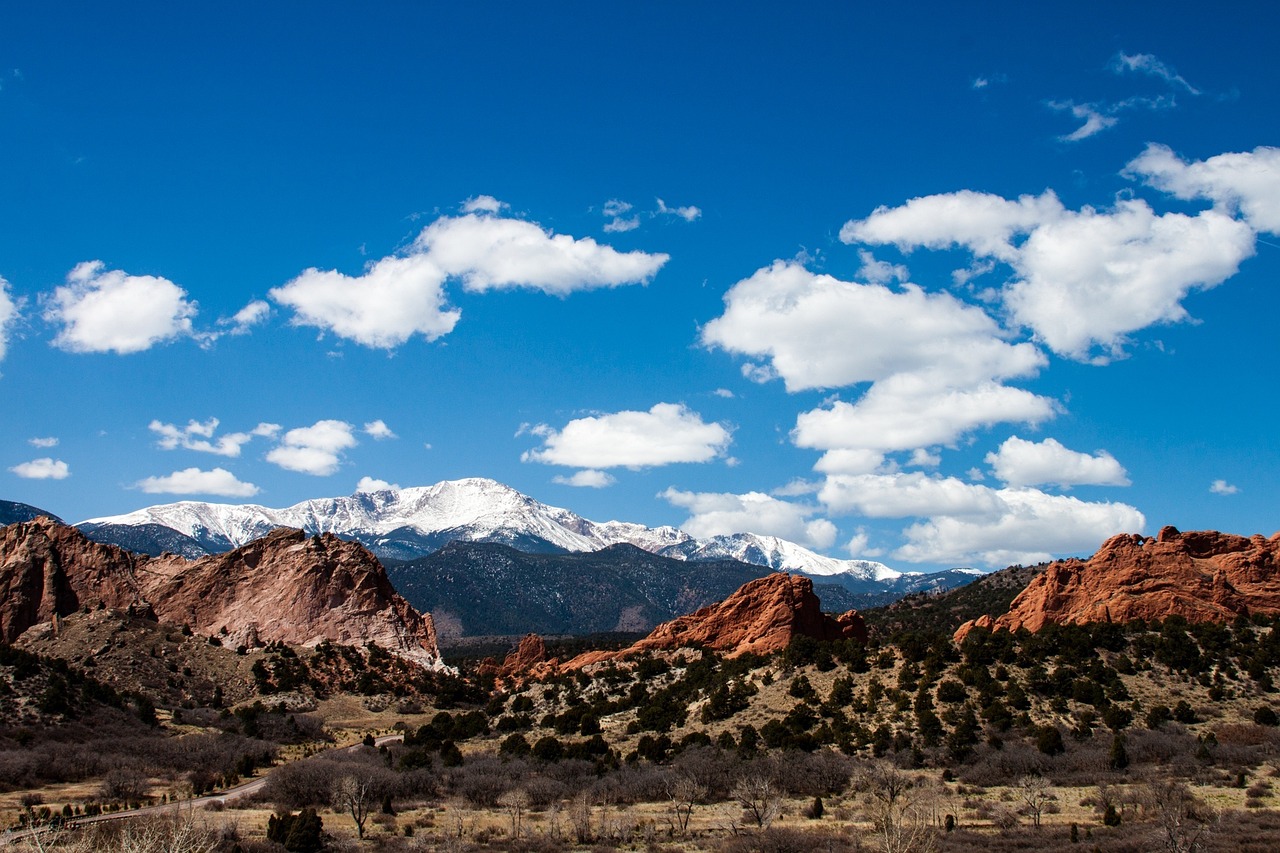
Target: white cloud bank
[(588, 478), (316, 449), (368, 485), (1027, 463), (199, 436), (42, 469), (715, 514), (402, 296), (193, 481), (101, 310), (1082, 278), (668, 433)]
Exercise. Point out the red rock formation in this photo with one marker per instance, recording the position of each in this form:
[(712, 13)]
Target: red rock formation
[(49, 570), (527, 660), (285, 587), (761, 617), (1203, 576)]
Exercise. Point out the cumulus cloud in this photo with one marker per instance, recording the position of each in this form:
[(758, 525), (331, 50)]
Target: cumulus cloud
[(316, 449), (193, 481), (1029, 527), (903, 495), (43, 441), (616, 212), (199, 436), (906, 413), (666, 434), (1245, 182), (820, 332), (401, 296), (1222, 487), (1027, 463), (378, 430), (719, 514), (368, 485), (1083, 278), (492, 253), (101, 310), (688, 213), (42, 469), (253, 314), (880, 272), (395, 299), (8, 315), (483, 204), (588, 478)]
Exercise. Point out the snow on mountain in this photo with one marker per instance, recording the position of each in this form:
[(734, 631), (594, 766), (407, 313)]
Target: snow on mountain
[(401, 523)]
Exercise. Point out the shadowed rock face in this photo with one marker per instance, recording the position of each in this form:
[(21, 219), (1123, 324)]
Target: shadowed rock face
[(761, 617), (286, 587), (1203, 576)]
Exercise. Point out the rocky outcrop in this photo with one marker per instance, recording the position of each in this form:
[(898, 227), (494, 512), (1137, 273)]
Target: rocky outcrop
[(525, 661), (48, 570), (1203, 576), (286, 587), (762, 617)]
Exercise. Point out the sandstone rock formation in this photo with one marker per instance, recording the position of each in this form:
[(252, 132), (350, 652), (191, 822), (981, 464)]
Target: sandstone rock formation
[(49, 570), (761, 617), (286, 587), (527, 660), (1203, 576)]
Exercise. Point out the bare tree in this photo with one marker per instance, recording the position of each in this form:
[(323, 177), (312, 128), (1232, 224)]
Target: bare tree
[(684, 792), (516, 803), (580, 817), (1183, 818), (895, 807), (354, 793), (759, 796), (1036, 795)]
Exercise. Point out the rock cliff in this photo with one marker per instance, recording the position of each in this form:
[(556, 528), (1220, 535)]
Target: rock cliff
[(285, 587), (1203, 576), (761, 617)]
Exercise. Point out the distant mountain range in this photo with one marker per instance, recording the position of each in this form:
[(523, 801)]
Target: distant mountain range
[(401, 525), (12, 512)]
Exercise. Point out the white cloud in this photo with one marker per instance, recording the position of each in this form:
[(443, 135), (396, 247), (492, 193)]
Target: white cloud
[(316, 449), (666, 434), (982, 222), (1083, 278), (1095, 121), (724, 393), (1145, 63), (395, 299), (490, 253), (368, 485), (820, 332), (199, 436), (45, 441), (193, 481), (42, 469), (717, 514), (8, 316), (1027, 463), (859, 546), (900, 495), (1029, 527), (588, 478), (1222, 487), (906, 413), (103, 310), (253, 314), (483, 204), (618, 225), (688, 213), (378, 430), (1245, 182), (880, 272)]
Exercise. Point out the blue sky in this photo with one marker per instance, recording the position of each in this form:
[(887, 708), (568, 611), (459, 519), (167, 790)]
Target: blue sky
[(933, 284)]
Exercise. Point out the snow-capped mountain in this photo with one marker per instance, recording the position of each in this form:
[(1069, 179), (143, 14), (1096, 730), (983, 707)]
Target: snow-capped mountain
[(408, 523)]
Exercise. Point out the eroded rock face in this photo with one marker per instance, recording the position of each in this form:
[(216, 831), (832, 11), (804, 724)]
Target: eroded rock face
[(761, 617), (1203, 576), (49, 570), (286, 587)]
